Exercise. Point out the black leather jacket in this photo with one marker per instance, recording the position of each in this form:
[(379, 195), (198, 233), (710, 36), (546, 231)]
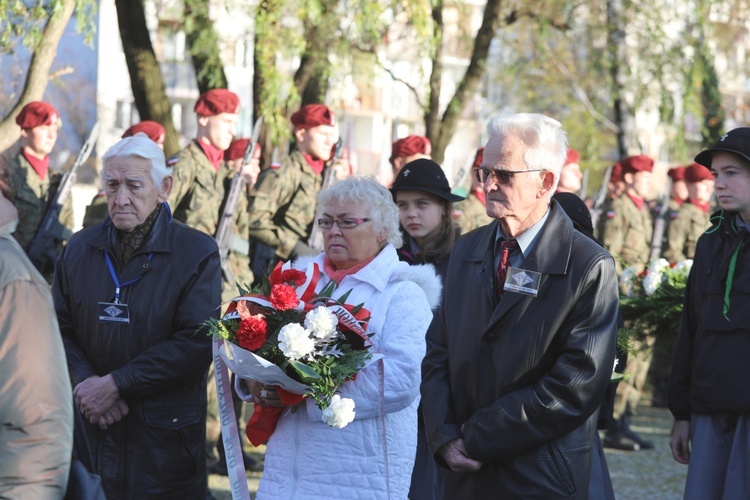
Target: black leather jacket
[(521, 380), (159, 360)]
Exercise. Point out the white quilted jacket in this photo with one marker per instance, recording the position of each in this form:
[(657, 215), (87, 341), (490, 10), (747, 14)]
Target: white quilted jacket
[(305, 459)]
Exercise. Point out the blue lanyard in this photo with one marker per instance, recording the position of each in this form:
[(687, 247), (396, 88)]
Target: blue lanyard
[(112, 273)]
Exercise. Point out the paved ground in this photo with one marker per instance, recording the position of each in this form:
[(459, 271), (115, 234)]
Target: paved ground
[(647, 474)]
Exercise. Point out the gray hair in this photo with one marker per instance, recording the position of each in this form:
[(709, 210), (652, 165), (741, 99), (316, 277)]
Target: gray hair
[(138, 146), (545, 140), (376, 199)]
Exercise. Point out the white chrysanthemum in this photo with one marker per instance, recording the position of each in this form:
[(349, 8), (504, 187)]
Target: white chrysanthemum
[(295, 342), (339, 412), (658, 265), (651, 282), (684, 265), (322, 323)]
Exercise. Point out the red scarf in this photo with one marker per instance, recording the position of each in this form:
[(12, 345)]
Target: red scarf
[(316, 165), (40, 166), (214, 154), (638, 201), (481, 196), (679, 201), (337, 275), (703, 206)]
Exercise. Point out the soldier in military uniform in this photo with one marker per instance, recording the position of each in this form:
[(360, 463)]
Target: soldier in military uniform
[(627, 226), (627, 229), (570, 175), (32, 184), (283, 202), (97, 211), (198, 188), (239, 257), (615, 189), (472, 212), (692, 220), (408, 149)]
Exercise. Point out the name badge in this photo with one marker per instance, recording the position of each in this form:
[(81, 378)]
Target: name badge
[(109, 312), (522, 281)]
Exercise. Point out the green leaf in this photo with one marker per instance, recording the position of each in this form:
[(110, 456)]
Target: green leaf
[(306, 374)]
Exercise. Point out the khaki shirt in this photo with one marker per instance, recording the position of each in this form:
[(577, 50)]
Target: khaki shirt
[(691, 222), (197, 189), (627, 232), (473, 213), (282, 205)]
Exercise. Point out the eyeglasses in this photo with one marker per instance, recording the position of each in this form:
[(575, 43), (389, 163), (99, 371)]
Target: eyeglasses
[(346, 223), (500, 175)]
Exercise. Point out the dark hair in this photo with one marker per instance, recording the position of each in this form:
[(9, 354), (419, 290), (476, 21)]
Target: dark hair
[(442, 244)]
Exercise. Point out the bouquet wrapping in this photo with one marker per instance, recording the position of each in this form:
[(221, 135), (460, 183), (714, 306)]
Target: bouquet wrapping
[(307, 344)]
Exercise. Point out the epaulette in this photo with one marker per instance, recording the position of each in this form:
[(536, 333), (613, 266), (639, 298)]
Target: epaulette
[(172, 161)]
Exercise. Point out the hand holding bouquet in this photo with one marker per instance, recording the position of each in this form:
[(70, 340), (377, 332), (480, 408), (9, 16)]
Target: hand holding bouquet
[(284, 334)]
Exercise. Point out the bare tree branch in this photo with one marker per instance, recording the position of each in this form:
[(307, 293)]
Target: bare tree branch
[(408, 85)]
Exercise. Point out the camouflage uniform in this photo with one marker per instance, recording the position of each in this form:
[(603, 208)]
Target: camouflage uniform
[(473, 213), (691, 222), (626, 233), (31, 196), (197, 189), (283, 203), (672, 210), (97, 211), (239, 258)]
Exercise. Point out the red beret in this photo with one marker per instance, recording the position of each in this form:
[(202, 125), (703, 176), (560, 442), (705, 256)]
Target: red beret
[(153, 130), (313, 115), (237, 149), (37, 113), (676, 174), (479, 158), (411, 145), (616, 174), (697, 172), (573, 157), (639, 163), (217, 101)]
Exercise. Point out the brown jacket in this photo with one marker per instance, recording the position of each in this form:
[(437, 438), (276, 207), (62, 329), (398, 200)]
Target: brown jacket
[(36, 402)]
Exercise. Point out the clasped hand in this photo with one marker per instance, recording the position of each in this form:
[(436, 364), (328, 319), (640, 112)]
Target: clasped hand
[(98, 398), (455, 456), (263, 395)]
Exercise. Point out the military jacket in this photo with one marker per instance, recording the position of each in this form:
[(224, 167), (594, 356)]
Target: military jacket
[(197, 189), (97, 211), (691, 222), (282, 205), (31, 196), (627, 232), (472, 213), (239, 259)]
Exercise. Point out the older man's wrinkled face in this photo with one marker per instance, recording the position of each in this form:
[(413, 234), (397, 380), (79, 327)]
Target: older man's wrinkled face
[(131, 194), (525, 195)]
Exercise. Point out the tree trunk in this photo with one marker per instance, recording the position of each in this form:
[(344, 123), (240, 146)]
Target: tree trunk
[(432, 116), (38, 74), (622, 116), (145, 76), (467, 86), (203, 45)]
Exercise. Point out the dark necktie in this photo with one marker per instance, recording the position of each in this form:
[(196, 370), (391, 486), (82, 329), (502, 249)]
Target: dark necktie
[(504, 248)]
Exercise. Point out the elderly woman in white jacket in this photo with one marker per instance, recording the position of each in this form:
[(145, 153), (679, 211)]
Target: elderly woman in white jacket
[(371, 457)]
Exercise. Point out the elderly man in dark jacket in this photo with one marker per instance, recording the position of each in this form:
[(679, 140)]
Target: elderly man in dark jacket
[(522, 349), (131, 296)]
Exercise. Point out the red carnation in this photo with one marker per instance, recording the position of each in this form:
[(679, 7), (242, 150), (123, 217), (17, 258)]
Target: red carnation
[(283, 297), (251, 334), (293, 277)]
